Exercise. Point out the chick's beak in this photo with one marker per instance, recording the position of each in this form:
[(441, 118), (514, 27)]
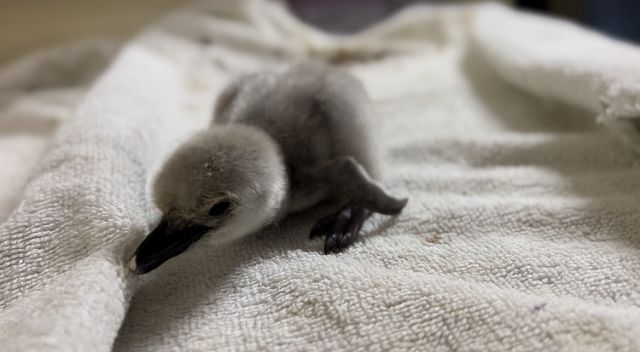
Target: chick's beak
[(163, 243)]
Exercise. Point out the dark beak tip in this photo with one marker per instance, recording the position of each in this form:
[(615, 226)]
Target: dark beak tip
[(139, 268), (134, 267), (161, 245)]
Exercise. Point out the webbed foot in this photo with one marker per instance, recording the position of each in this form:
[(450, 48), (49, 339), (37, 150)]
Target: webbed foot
[(341, 228)]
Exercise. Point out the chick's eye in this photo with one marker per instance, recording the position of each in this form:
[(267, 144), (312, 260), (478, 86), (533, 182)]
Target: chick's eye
[(220, 208)]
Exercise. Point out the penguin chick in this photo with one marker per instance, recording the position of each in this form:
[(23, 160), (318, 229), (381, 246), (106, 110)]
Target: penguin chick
[(280, 142)]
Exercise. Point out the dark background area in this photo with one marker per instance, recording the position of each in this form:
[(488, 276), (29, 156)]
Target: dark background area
[(618, 18), (28, 25)]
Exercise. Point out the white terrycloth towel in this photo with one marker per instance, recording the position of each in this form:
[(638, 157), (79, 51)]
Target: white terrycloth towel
[(522, 227)]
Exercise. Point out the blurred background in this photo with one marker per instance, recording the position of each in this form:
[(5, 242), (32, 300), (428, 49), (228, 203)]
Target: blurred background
[(29, 24)]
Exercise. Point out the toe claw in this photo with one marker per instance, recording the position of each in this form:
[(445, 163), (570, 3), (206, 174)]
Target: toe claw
[(343, 242), (341, 228), (330, 243)]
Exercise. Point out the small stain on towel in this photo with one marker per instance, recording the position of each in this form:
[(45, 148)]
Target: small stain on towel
[(538, 307)]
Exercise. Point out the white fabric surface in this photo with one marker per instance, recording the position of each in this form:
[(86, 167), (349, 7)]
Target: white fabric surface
[(520, 234)]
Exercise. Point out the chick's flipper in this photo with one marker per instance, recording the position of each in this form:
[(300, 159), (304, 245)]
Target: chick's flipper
[(345, 177)]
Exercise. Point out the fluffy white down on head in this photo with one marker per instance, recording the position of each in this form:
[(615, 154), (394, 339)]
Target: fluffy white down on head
[(236, 162)]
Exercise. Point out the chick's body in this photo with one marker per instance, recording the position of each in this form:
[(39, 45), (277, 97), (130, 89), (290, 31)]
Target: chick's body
[(314, 113), (280, 142)]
